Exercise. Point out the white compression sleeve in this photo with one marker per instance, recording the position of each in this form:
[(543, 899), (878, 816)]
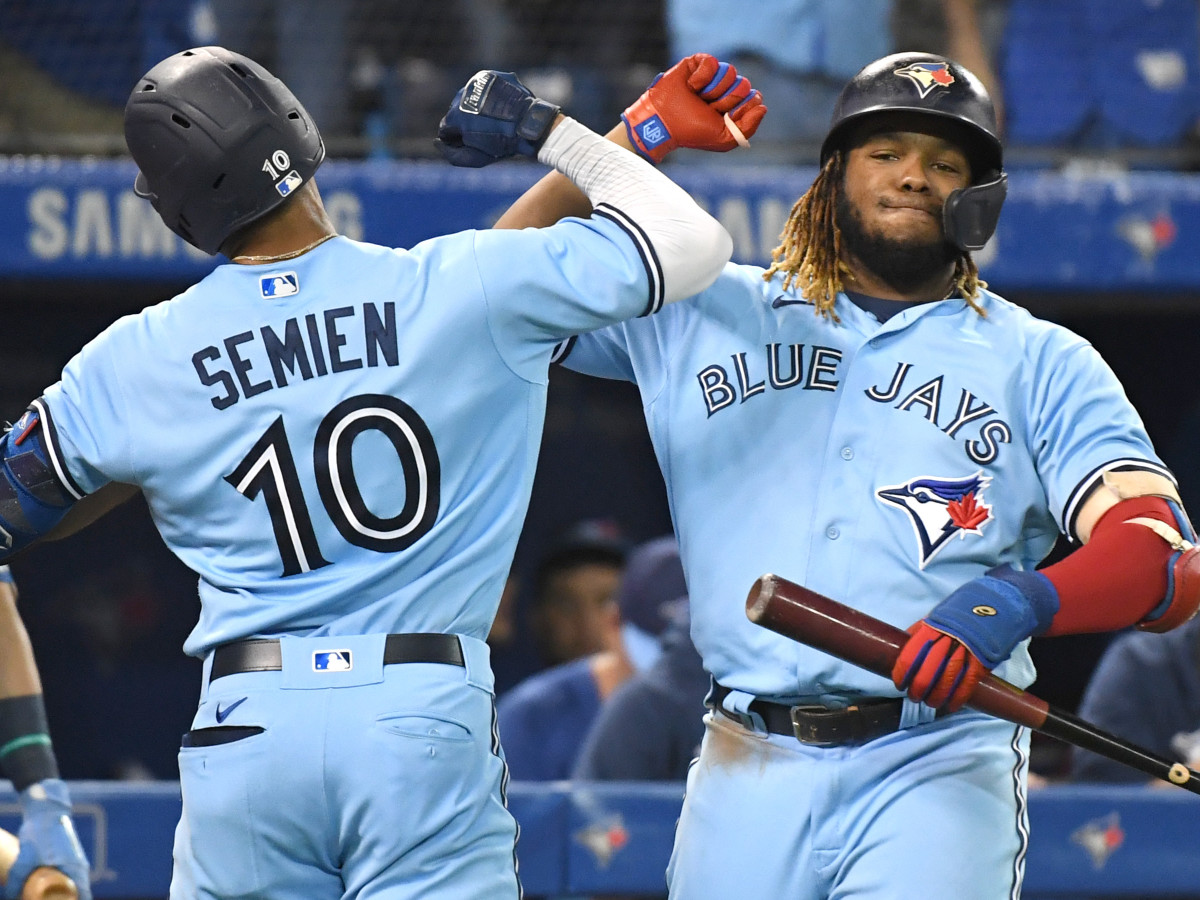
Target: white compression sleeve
[(692, 247)]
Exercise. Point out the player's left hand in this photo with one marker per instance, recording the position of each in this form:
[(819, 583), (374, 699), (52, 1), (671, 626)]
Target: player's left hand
[(494, 116), (971, 632), (48, 838), (686, 107)]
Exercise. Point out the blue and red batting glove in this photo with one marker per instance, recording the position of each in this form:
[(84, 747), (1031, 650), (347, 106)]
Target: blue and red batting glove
[(686, 107), (971, 632)]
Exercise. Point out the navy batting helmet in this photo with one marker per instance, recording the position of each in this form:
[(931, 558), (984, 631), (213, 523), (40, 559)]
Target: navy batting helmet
[(219, 142), (930, 85)]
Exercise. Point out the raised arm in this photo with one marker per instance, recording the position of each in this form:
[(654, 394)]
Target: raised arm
[(495, 116), (686, 106)]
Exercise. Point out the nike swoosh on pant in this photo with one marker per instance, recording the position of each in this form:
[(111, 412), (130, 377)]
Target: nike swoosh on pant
[(223, 714)]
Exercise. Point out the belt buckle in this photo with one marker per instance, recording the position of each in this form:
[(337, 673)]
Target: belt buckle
[(806, 731)]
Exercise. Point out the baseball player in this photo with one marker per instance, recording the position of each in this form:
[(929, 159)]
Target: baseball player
[(339, 439), (864, 417), (27, 759)]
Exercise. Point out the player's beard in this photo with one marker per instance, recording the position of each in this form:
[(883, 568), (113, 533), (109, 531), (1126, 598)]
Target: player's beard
[(905, 265)]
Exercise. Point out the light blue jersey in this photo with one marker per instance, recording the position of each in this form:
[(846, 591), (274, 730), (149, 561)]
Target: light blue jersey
[(344, 443), (881, 465)]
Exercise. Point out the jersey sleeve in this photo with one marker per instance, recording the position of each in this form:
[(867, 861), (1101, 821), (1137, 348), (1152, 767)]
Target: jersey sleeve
[(603, 354), (543, 285), (639, 350), (88, 415), (1082, 425)]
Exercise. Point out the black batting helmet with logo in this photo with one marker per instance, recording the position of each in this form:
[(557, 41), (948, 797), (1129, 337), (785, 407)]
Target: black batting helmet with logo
[(219, 142), (926, 84)]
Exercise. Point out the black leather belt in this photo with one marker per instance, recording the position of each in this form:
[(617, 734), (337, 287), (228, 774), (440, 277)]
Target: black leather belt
[(819, 726), (264, 654)]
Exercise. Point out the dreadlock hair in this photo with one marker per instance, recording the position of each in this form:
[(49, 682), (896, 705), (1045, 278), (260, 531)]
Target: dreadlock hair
[(810, 251)]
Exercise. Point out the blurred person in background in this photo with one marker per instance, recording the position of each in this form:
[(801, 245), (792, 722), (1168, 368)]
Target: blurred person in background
[(66, 68), (407, 55), (650, 728), (588, 56), (575, 586), (967, 31), (800, 53), (544, 719), (27, 759), (1146, 689), (305, 42)]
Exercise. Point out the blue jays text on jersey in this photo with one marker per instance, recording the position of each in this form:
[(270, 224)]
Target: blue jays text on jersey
[(816, 368)]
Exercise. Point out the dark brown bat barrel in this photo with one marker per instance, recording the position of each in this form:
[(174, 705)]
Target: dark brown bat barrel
[(849, 634)]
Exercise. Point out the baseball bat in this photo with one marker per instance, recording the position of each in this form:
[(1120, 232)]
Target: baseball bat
[(850, 634), (44, 884)]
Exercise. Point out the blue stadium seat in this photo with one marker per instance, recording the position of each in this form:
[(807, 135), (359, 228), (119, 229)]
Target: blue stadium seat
[(1101, 73)]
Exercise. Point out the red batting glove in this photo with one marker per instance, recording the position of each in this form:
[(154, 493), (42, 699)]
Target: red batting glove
[(686, 106), (936, 669)]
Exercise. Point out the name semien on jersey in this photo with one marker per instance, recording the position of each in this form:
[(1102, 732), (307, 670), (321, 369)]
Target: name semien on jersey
[(302, 347)]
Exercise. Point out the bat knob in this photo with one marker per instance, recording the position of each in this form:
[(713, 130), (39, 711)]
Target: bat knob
[(758, 601)]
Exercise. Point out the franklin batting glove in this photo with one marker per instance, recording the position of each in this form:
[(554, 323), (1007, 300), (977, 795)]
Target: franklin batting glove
[(971, 632), (48, 838), (494, 116), (686, 107)]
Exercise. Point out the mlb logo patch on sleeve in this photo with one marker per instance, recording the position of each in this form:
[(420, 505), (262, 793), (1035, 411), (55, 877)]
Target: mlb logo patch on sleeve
[(332, 661), (280, 284)]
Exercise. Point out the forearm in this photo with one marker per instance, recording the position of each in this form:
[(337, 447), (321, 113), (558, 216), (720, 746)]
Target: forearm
[(966, 44), (18, 672), (26, 755), (689, 246), (555, 197)]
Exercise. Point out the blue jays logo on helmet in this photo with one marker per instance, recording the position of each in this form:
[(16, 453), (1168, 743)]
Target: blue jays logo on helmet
[(940, 508), (927, 75)]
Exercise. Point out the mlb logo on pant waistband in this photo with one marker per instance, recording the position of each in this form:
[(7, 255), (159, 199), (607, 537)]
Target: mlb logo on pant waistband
[(332, 661)]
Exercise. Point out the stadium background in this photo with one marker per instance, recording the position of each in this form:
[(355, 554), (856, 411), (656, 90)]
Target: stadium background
[(1102, 236)]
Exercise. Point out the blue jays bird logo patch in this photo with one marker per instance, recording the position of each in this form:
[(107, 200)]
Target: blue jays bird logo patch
[(940, 508), (927, 76)]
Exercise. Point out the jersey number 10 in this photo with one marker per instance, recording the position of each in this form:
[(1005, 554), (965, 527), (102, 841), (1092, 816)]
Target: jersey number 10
[(269, 469)]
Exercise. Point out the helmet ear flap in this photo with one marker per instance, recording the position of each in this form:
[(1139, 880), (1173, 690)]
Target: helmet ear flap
[(970, 214)]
